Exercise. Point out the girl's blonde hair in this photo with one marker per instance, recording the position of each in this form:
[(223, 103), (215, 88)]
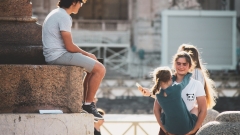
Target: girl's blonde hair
[(209, 86), (160, 74)]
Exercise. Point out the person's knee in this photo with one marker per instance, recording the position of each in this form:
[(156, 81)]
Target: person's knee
[(99, 69), (103, 70)]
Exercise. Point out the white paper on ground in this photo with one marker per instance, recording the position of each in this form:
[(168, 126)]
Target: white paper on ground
[(50, 111)]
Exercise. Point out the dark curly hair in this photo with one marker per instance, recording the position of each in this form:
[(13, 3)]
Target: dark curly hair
[(68, 3)]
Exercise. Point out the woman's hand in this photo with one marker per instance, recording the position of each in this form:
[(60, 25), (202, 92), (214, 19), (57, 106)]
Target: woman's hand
[(145, 92), (164, 130)]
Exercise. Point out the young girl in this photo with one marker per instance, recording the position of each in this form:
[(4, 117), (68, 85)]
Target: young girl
[(169, 97)]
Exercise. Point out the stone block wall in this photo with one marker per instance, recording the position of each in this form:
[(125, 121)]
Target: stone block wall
[(46, 124), (8, 8)]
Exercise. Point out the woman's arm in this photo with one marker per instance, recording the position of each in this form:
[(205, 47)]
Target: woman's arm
[(157, 112), (71, 47), (202, 112)]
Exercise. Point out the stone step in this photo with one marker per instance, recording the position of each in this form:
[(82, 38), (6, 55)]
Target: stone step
[(46, 124), (30, 88)]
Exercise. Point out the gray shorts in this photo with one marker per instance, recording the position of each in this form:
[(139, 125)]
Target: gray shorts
[(75, 59)]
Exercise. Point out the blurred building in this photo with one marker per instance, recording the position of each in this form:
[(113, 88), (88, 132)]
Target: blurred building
[(127, 33)]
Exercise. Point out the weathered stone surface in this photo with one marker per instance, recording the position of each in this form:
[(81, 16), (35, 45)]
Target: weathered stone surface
[(229, 116), (15, 8), (227, 123), (14, 54), (211, 116), (19, 31), (21, 43), (29, 88), (46, 124), (143, 9)]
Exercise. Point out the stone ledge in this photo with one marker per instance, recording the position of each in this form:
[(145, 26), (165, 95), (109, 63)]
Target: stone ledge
[(211, 116), (229, 116), (30, 88), (15, 8), (20, 33), (17, 54), (21, 19), (226, 123), (46, 124)]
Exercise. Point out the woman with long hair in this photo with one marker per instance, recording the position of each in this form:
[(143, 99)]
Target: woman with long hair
[(201, 74), (210, 92)]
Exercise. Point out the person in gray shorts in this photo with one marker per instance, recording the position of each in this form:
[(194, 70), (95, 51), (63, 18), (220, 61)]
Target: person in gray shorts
[(59, 49)]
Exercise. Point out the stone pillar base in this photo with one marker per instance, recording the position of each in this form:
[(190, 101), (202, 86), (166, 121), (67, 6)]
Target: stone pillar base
[(30, 88), (20, 41), (46, 124)]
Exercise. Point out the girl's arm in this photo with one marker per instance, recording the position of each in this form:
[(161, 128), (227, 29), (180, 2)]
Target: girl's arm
[(157, 112), (202, 112), (146, 92)]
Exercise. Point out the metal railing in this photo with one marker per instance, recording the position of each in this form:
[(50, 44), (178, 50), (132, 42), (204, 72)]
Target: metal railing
[(130, 128), (102, 25), (112, 88), (101, 37)]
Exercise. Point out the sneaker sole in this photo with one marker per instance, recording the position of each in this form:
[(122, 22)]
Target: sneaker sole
[(83, 111), (97, 118)]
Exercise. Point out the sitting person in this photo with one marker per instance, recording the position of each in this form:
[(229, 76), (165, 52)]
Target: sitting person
[(59, 49)]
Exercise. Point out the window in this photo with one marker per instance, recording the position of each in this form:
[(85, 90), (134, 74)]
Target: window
[(104, 10)]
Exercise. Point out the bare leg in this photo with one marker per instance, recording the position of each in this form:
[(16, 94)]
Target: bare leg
[(85, 85), (195, 110), (93, 81)]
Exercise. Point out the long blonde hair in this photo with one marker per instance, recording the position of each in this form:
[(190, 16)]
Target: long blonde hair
[(160, 74), (209, 86)]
